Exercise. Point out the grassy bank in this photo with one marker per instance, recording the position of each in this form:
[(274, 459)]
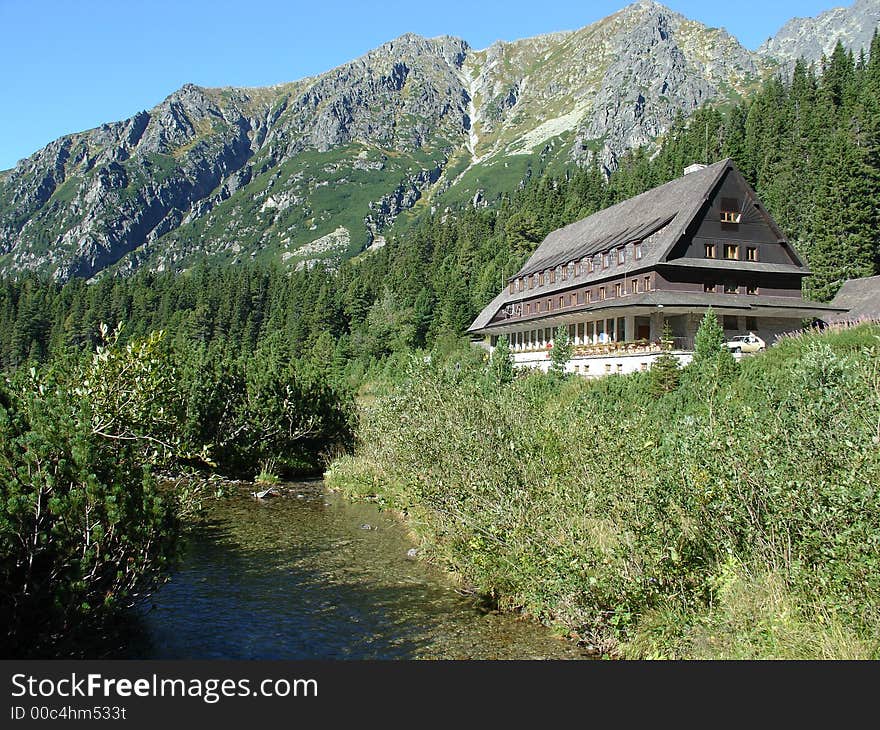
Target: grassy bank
[(734, 516)]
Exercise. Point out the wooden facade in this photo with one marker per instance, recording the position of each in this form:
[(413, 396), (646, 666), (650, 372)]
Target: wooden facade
[(661, 258)]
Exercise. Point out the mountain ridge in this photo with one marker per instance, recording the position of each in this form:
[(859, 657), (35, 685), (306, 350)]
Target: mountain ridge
[(279, 172)]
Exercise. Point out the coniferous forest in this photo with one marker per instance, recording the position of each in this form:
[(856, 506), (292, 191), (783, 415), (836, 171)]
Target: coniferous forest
[(239, 369)]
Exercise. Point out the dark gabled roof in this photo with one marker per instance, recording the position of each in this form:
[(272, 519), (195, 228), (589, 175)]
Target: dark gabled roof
[(670, 207), (659, 217), (861, 299)]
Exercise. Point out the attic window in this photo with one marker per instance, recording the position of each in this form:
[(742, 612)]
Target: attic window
[(709, 249), (606, 260), (731, 252), (637, 251), (751, 253), (621, 256), (730, 210)]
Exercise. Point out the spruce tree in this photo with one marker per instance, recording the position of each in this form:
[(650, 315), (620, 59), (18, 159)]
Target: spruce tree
[(561, 351), (500, 365), (665, 374)]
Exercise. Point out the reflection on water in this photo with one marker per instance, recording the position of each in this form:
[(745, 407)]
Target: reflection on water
[(300, 577)]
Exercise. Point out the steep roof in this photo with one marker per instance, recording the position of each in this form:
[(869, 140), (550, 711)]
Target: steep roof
[(861, 299), (659, 217), (668, 209)]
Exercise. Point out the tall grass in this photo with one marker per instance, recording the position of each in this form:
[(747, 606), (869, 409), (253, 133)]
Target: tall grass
[(737, 520)]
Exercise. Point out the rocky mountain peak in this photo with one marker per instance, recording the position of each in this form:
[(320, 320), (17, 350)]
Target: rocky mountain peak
[(320, 168), (812, 38)]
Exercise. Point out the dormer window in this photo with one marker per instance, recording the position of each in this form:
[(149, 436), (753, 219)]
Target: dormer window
[(751, 253), (589, 266), (606, 260), (563, 273), (731, 252), (637, 251), (709, 250), (621, 256)]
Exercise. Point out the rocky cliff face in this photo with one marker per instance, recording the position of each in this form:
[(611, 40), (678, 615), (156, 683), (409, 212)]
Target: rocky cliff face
[(319, 169), (811, 38)]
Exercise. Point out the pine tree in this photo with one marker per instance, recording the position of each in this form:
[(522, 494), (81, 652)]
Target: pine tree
[(709, 341), (500, 365), (561, 352), (665, 374)]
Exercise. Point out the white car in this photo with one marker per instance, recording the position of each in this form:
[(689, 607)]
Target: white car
[(746, 343)]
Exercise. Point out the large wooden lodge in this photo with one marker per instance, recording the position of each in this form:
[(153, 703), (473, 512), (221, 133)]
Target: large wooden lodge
[(616, 278)]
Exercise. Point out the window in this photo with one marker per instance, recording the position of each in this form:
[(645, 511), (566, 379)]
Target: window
[(606, 260), (533, 282), (709, 248), (730, 210), (551, 275), (590, 266), (512, 289), (528, 308), (620, 367), (709, 288), (751, 323), (618, 290), (731, 252), (730, 323), (643, 366), (751, 253), (564, 273), (588, 294), (621, 256), (731, 288), (637, 251), (573, 300), (752, 289), (607, 367), (634, 286), (601, 292), (647, 283), (561, 304)]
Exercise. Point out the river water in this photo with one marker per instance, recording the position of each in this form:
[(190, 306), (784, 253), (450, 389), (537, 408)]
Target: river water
[(301, 577)]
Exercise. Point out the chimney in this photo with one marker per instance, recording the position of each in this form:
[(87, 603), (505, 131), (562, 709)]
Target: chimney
[(696, 167)]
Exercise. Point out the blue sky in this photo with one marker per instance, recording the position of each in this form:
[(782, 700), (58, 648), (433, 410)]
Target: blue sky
[(69, 66)]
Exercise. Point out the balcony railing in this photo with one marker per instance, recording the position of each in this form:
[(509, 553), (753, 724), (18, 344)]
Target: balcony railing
[(634, 347)]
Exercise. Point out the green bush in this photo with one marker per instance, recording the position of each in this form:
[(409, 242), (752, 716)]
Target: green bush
[(84, 526), (619, 515)]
